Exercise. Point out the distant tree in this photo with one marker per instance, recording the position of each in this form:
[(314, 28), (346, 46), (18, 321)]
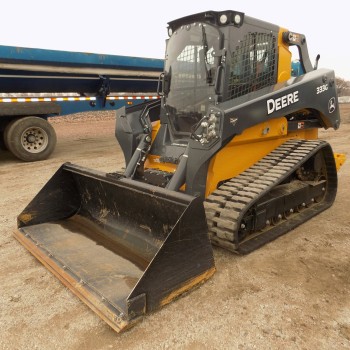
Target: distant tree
[(343, 86)]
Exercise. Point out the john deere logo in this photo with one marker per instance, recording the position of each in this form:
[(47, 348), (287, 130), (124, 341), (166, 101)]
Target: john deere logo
[(233, 121), (331, 105)]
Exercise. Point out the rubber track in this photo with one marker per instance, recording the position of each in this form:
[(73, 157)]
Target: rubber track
[(226, 206)]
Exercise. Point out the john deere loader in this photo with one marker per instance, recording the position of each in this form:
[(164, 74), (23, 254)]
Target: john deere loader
[(230, 155)]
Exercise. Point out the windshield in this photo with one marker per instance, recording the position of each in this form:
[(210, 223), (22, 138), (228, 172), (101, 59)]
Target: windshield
[(191, 62)]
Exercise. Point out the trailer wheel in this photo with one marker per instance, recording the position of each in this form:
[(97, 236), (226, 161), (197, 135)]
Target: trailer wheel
[(30, 138)]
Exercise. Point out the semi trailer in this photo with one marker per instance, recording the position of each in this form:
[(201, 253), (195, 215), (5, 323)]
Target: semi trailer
[(38, 84)]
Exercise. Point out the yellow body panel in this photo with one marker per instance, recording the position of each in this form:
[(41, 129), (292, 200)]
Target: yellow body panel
[(284, 59), (155, 128), (154, 163), (248, 148)]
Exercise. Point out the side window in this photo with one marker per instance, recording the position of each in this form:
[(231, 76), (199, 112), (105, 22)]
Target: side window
[(253, 64)]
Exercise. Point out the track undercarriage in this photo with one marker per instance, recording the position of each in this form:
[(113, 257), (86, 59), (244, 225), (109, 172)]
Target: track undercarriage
[(287, 187)]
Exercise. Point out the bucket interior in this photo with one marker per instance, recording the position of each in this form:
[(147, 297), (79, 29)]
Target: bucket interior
[(113, 233)]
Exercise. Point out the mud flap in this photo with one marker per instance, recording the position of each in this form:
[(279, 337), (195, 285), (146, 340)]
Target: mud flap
[(124, 247)]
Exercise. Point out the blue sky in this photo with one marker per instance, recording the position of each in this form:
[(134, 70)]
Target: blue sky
[(138, 28)]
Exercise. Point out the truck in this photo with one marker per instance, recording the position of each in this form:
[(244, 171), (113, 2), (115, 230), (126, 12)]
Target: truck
[(38, 84)]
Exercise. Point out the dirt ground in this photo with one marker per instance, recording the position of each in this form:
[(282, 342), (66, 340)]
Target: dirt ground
[(293, 293)]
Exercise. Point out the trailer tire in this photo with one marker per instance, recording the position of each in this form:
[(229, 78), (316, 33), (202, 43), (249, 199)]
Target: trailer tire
[(6, 130), (30, 138)]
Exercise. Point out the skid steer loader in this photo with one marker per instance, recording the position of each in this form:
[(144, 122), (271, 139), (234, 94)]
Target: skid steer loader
[(230, 156)]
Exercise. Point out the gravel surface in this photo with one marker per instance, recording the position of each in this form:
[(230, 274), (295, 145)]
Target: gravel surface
[(292, 293)]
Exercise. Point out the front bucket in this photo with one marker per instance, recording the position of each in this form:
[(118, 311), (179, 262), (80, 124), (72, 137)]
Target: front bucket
[(125, 248)]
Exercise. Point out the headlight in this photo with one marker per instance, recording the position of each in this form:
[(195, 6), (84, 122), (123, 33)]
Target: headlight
[(237, 19), (223, 19)]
